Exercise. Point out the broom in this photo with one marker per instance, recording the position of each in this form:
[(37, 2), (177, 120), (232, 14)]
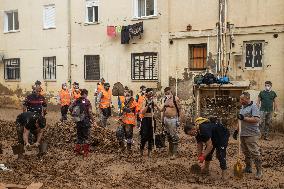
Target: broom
[(238, 167)]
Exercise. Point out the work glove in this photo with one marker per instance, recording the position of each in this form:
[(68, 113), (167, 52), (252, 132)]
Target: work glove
[(201, 158), (36, 144), (235, 135), (241, 117)]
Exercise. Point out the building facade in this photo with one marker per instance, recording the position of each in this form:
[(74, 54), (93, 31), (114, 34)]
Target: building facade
[(57, 41)]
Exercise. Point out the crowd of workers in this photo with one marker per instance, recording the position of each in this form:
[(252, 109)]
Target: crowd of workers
[(139, 111)]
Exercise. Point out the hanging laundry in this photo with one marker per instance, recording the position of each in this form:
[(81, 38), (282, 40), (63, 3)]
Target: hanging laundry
[(125, 35), (136, 30), (118, 29), (111, 31)]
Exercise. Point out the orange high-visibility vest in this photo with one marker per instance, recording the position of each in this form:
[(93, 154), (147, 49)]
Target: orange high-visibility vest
[(130, 118), (75, 94), (65, 98), (100, 88), (140, 102), (105, 99)]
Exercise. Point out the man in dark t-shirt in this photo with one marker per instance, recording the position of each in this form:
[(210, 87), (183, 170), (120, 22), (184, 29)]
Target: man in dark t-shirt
[(29, 124), (35, 102), (267, 102), (213, 136)]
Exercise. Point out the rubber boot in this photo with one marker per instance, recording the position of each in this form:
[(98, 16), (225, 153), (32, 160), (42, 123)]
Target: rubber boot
[(170, 149), (149, 153), (174, 151), (205, 170), (248, 168), (86, 149), (258, 175), (77, 149), (121, 146)]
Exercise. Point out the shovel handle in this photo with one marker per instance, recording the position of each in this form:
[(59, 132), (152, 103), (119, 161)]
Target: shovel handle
[(239, 140)]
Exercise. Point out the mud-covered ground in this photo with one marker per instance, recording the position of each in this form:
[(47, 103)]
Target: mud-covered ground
[(106, 168)]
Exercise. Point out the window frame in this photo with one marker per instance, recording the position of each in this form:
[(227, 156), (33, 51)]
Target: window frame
[(245, 55), (14, 68), (95, 3), (191, 58), (136, 10), (6, 21), (45, 68), (154, 69), (99, 67), (44, 19)]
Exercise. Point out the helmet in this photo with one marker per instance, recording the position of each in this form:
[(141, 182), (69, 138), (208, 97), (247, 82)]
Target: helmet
[(201, 120)]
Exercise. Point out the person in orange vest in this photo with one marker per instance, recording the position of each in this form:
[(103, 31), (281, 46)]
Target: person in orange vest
[(76, 92), (100, 87), (104, 104), (128, 121), (121, 101), (140, 97), (65, 101)]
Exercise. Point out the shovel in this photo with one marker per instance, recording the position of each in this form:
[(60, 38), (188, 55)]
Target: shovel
[(42, 148), (238, 167)]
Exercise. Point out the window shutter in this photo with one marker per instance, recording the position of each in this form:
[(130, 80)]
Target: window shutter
[(135, 8), (49, 16)]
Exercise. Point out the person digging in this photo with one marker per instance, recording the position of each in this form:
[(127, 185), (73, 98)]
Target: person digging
[(213, 136), (30, 127), (250, 134)]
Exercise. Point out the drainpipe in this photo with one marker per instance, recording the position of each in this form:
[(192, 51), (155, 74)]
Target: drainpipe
[(69, 79)]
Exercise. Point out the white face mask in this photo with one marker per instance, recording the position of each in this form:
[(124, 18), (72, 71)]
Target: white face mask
[(64, 87), (168, 96), (267, 88), (127, 98)]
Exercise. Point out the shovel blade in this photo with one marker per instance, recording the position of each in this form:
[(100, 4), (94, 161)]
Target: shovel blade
[(43, 148), (195, 168), (238, 170)]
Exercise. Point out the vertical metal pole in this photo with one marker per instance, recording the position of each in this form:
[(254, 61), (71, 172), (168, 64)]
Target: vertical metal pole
[(69, 79)]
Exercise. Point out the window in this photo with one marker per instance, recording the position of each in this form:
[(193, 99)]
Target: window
[(49, 16), (144, 66), (197, 57), (11, 21), (253, 54), (12, 68), (145, 8), (92, 11), (92, 67), (49, 68)]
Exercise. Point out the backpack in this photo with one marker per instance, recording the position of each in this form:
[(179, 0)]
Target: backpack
[(198, 79), (78, 113), (209, 78)]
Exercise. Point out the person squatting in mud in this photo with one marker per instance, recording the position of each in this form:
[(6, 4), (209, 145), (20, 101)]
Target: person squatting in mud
[(214, 136), (127, 120), (171, 120), (250, 134), (65, 101), (104, 103), (81, 111), (30, 127)]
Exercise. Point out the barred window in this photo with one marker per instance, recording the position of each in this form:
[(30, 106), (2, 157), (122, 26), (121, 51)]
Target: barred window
[(254, 54), (92, 67), (12, 68), (197, 56), (144, 66), (49, 68)]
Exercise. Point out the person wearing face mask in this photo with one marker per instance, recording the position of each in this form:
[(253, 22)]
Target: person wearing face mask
[(140, 97), (104, 103), (267, 101), (76, 93), (250, 133), (128, 121), (65, 101), (171, 120)]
